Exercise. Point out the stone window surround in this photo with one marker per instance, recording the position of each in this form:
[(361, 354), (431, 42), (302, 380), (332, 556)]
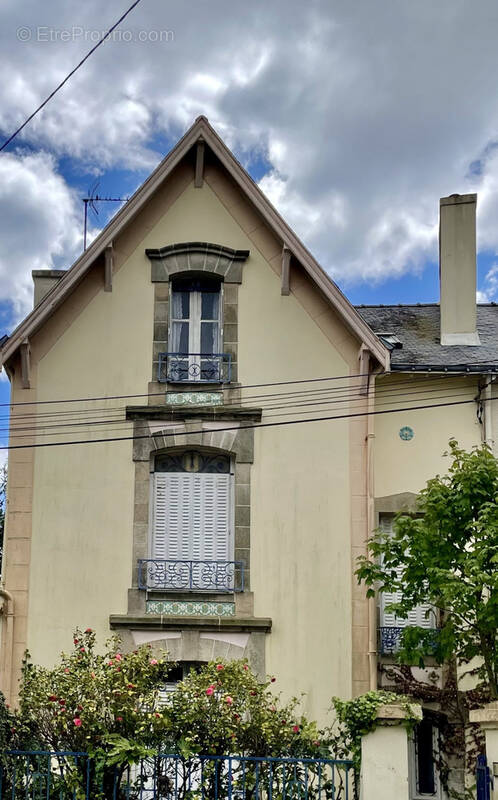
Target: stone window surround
[(196, 257), (164, 435)]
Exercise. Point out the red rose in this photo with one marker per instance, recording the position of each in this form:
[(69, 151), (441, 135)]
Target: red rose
[(77, 722), (273, 680), (82, 649), (88, 630), (51, 697), (62, 702), (119, 719), (295, 729), (75, 641), (219, 667)]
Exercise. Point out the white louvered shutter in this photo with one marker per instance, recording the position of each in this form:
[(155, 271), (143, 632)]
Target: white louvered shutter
[(192, 518), (417, 616)]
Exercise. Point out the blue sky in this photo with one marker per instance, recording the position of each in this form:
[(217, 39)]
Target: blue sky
[(354, 119)]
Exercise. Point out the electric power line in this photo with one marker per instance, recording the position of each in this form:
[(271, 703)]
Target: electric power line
[(298, 404), (239, 427), (61, 84)]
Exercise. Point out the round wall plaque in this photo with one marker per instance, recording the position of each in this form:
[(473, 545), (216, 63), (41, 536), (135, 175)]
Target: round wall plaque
[(406, 433)]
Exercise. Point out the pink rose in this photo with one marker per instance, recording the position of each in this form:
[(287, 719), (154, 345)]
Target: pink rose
[(82, 649), (66, 671), (245, 667), (219, 667), (119, 719), (295, 729), (88, 630), (228, 700), (316, 743), (210, 691), (118, 657), (153, 662), (77, 722)]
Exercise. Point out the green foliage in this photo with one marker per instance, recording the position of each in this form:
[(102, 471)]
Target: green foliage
[(224, 708), (355, 718), (88, 699), (448, 557)]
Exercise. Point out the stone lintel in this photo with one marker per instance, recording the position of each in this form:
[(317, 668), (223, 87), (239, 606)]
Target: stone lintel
[(487, 717), (206, 413), (168, 623), (393, 713)]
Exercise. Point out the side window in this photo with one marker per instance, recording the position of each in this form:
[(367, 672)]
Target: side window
[(192, 531), (391, 625), (423, 751), (195, 334)]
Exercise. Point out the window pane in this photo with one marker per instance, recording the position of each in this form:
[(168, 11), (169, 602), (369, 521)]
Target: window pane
[(209, 338), (179, 337), (181, 305), (210, 305)]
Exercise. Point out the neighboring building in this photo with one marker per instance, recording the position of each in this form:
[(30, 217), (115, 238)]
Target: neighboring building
[(203, 320)]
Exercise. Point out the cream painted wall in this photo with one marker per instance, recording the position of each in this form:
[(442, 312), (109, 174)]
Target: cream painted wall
[(300, 528), (405, 466)]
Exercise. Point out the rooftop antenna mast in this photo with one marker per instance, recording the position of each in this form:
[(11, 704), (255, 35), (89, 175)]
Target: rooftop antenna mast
[(90, 202)]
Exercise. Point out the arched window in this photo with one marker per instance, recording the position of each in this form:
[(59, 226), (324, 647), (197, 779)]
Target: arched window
[(192, 530), (195, 329)]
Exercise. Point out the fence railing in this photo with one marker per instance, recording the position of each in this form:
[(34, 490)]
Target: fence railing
[(64, 775), (194, 367), (390, 638), (176, 575)]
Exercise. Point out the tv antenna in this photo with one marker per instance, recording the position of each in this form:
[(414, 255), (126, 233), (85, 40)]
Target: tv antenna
[(90, 203)]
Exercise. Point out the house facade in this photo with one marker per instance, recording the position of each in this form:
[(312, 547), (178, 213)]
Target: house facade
[(205, 432)]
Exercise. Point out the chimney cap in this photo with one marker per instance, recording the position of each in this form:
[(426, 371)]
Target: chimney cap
[(455, 199)]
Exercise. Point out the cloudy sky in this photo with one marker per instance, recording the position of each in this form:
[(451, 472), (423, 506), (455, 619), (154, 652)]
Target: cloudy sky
[(354, 116)]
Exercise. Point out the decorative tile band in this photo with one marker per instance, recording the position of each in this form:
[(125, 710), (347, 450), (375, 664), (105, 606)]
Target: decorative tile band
[(189, 608), (194, 398)]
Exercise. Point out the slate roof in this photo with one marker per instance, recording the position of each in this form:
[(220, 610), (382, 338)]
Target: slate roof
[(417, 328)]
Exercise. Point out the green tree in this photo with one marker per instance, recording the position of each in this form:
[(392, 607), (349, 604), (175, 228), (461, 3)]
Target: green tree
[(447, 556), (105, 704), (225, 708)]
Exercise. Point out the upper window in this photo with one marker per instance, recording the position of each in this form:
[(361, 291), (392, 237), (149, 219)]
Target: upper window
[(195, 336)]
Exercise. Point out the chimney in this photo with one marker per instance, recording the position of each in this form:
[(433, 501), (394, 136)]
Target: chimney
[(457, 269), (44, 280)]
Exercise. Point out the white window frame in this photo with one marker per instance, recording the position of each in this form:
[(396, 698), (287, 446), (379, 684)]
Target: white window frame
[(415, 794), (194, 329)]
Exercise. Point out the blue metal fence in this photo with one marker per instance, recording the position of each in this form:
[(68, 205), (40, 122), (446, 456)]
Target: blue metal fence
[(173, 574), (64, 775)]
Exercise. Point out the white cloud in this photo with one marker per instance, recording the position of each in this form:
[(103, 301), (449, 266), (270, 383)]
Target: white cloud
[(366, 113), (489, 291), (39, 224)]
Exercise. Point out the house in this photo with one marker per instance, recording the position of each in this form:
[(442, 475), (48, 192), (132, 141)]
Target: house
[(205, 432)]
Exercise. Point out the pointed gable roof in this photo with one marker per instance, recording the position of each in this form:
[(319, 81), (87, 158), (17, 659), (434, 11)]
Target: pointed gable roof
[(200, 130)]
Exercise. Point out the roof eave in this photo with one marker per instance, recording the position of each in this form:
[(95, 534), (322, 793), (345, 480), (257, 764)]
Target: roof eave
[(200, 128)]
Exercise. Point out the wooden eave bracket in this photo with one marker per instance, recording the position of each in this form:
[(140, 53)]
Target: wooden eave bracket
[(286, 254), (25, 364), (364, 370), (108, 267), (199, 164)]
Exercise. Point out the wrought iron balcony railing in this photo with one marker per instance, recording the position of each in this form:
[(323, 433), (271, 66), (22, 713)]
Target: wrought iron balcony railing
[(390, 639), (174, 575), (194, 367)]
